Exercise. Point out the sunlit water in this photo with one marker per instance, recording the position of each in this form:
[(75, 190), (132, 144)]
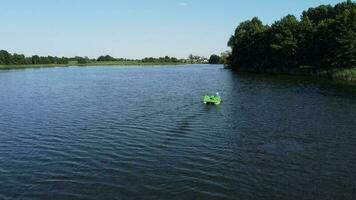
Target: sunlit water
[(144, 133)]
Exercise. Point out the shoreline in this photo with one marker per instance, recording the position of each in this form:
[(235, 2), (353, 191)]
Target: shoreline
[(347, 76), (33, 66)]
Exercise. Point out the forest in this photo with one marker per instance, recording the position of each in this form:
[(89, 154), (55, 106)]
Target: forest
[(324, 38)]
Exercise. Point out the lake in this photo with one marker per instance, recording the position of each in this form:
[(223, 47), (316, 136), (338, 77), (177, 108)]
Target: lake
[(114, 132)]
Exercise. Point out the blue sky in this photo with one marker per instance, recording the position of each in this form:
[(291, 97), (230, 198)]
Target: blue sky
[(132, 28)]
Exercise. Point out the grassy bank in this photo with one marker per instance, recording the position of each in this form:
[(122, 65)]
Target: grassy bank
[(348, 75), (85, 64)]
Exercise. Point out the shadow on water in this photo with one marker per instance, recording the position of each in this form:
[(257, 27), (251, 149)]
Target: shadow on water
[(179, 131), (313, 84), (183, 124)]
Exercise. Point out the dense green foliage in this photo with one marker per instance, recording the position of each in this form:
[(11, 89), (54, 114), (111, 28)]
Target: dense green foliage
[(165, 59), (18, 59), (215, 59), (106, 58), (324, 38), (80, 60)]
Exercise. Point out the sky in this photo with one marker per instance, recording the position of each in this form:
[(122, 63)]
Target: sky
[(132, 28)]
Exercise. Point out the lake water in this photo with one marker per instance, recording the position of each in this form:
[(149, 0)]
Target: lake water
[(144, 133)]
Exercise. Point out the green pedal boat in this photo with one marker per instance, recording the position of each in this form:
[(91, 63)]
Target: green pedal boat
[(215, 99)]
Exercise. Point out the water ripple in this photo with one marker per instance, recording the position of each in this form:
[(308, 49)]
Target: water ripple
[(138, 133)]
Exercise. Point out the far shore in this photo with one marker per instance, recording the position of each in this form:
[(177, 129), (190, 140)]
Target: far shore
[(111, 63)]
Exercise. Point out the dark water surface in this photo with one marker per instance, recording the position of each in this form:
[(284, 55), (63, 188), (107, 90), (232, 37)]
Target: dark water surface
[(143, 133)]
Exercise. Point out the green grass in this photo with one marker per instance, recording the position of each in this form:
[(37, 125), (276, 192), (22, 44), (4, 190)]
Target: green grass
[(86, 64), (345, 75)]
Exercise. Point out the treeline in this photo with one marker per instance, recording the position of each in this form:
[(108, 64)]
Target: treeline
[(109, 58), (165, 59), (19, 59), (323, 38), (7, 58)]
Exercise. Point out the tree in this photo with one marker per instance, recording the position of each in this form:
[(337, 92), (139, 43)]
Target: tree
[(81, 60), (5, 57), (246, 44), (284, 42), (345, 54), (106, 58), (214, 59), (225, 56), (320, 13), (324, 38), (35, 59), (18, 59), (305, 52), (191, 58)]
